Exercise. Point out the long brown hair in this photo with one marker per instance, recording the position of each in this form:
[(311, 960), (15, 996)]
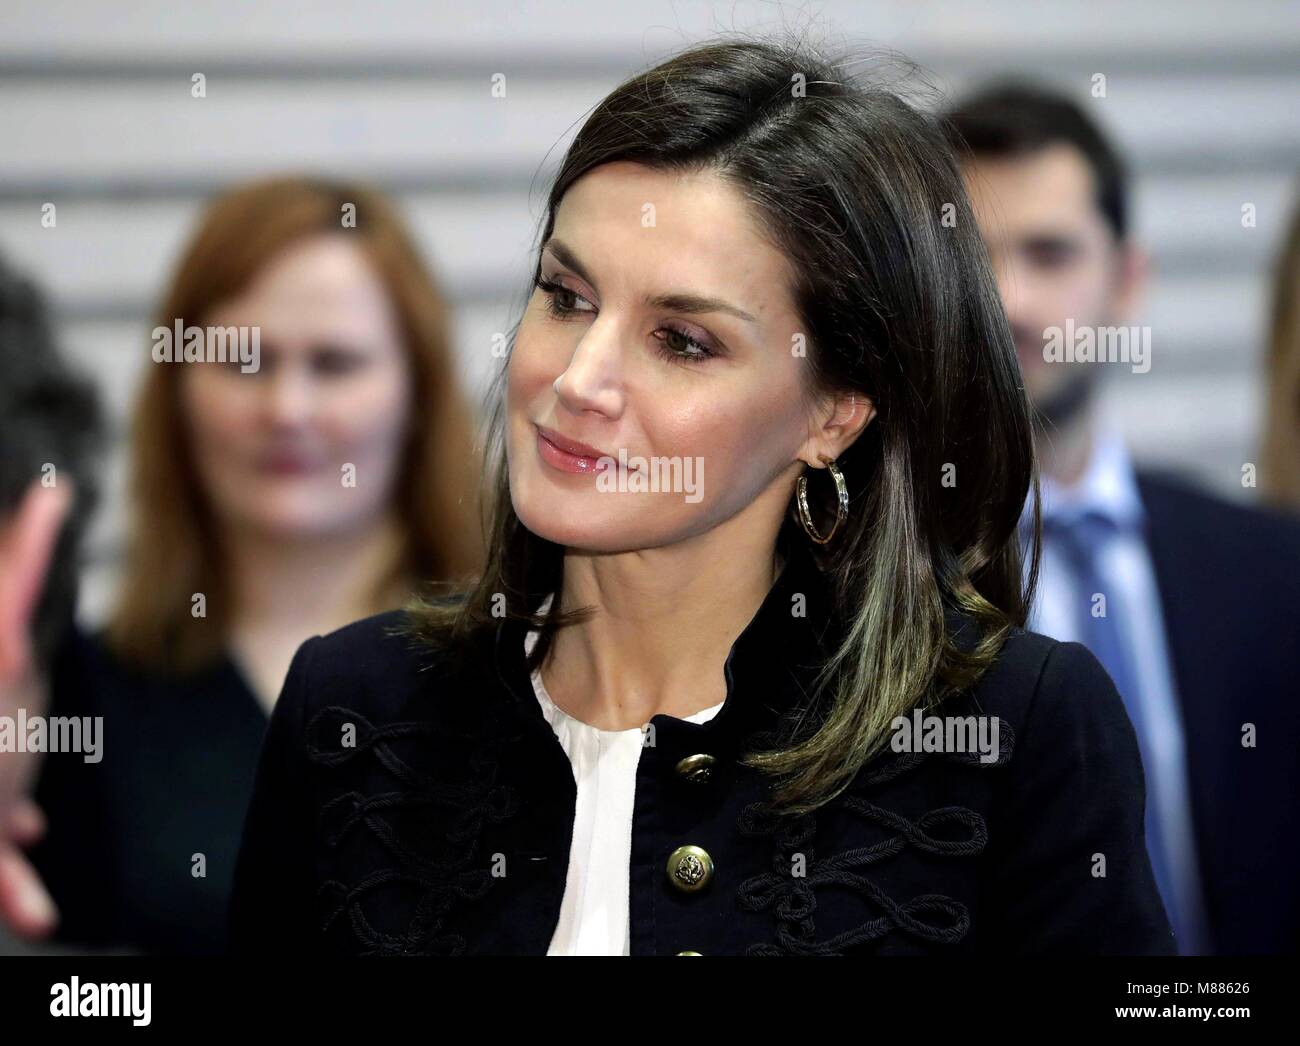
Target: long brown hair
[(1280, 472), (172, 550), (895, 291)]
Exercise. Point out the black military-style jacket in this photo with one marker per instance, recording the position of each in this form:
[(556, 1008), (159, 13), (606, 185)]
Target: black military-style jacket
[(406, 804)]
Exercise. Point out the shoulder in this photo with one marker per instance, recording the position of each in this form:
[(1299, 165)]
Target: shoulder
[(1064, 717), (1175, 503), (378, 668), (1226, 556), (1072, 807), (378, 645), (374, 664), (1037, 680), (1072, 741)]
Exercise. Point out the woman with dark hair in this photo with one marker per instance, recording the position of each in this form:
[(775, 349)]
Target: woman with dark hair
[(783, 704)]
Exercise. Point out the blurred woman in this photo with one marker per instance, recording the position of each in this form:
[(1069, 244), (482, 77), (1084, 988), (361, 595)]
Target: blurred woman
[(1280, 470), (321, 479)]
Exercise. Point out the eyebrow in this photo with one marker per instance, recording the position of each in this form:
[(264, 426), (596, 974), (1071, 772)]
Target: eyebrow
[(673, 302)]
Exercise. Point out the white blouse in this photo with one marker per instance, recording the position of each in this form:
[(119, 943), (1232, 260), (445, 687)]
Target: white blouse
[(594, 913)]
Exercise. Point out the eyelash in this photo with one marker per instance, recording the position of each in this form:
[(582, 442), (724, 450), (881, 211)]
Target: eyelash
[(560, 312)]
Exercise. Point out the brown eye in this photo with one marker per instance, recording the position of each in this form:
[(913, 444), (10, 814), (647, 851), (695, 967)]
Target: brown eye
[(680, 345), (676, 344), (333, 360), (558, 299), (1051, 254)]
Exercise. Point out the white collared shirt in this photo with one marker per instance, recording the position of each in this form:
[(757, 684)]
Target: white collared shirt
[(594, 914)]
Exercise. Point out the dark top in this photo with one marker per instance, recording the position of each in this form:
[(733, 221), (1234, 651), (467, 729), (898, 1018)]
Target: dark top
[(1229, 581), (177, 768), (411, 804)]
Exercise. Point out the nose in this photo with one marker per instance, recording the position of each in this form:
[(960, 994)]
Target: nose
[(289, 397), (593, 380)]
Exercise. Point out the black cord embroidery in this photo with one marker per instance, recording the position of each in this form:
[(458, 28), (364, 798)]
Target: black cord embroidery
[(436, 846), (793, 899)]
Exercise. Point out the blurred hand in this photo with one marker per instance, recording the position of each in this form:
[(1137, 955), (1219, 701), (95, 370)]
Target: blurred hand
[(25, 905), (27, 540)]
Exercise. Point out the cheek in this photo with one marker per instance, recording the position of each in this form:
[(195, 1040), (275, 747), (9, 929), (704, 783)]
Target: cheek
[(218, 408), (1080, 294), (213, 403), (220, 414), (1095, 295), (530, 370), (370, 411), (744, 437)]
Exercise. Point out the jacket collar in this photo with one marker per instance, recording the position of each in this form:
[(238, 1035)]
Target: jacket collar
[(767, 670)]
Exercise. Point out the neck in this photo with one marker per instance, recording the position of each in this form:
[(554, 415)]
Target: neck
[(665, 621), (320, 578), (1063, 451), (286, 590)]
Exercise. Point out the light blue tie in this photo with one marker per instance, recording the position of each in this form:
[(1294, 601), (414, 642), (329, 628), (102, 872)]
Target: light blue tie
[(1083, 538)]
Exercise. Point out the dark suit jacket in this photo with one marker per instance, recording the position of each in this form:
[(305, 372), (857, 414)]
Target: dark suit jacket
[(1229, 580), (446, 827)]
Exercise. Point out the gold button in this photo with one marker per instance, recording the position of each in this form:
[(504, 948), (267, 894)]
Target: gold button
[(698, 767), (688, 953), (690, 868)]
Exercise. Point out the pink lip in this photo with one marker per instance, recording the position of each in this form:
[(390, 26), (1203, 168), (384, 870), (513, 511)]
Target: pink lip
[(286, 464), (569, 455)]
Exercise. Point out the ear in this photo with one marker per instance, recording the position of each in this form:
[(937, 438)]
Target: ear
[(27, 541), (843, 417), (1132, 265)]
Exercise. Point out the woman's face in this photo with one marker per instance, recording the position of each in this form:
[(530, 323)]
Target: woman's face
[(634, 368), (310, 443)]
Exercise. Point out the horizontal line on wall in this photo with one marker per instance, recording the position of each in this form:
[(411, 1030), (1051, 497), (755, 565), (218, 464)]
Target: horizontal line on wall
[(1269, 160), (469, 293), (1269, 60), (496, 180)]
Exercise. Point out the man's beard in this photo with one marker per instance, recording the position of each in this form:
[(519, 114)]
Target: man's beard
[(1057, 412)]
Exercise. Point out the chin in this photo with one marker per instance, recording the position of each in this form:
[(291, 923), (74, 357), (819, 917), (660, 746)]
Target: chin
[(579, 525), (572, 529), (298, 521)]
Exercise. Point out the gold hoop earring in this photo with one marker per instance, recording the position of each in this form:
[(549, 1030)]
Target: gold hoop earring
[(842, 507)]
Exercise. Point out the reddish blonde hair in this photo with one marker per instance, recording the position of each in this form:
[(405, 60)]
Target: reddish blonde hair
[(172, 551)]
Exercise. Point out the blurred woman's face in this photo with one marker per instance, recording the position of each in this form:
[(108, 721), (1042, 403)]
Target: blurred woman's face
[(630, 365), (310, 443)]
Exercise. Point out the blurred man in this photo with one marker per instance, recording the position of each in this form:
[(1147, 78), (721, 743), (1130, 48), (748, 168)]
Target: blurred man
[(1191, 603), (49, 424)]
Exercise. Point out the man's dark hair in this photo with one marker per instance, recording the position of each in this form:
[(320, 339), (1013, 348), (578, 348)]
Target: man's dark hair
[(48, 416), (1012, 118)]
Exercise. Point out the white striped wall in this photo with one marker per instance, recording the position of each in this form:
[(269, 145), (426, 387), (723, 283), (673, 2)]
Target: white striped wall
[(96, 116)]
